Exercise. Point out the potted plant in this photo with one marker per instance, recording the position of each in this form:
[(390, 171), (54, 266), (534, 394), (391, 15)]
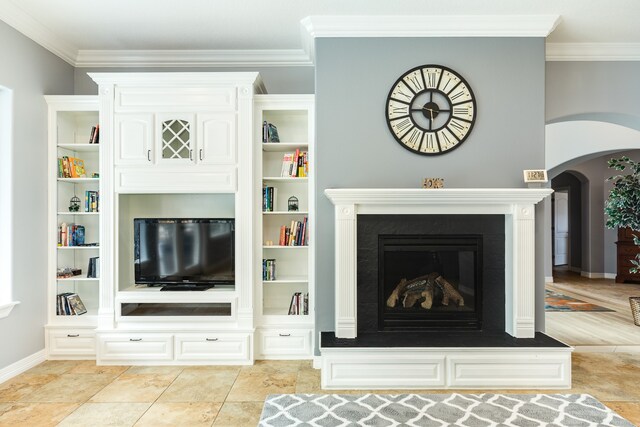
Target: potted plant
[(623, 204)]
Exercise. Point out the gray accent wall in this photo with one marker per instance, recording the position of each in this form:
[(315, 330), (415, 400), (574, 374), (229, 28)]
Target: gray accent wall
[(354, 147), (30, 71)]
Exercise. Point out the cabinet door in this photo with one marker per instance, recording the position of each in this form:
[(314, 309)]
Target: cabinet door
[(176, 138), (217, 138), (133, 139)]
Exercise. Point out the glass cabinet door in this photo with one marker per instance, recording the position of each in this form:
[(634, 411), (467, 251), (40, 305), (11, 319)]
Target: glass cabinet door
[(177, 139)]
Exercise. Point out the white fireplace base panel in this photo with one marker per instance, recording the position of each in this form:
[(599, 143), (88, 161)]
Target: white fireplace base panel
[(446, 368)]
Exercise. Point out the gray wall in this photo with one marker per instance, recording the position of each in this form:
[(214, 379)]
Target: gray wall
[(355, 148), (289, 80), (605, 88), (599, 249), (30, 71)]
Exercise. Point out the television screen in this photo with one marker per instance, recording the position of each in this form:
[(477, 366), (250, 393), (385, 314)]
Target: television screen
[(184, 251)]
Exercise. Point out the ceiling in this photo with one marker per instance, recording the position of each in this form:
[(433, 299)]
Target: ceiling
[(71, 27)]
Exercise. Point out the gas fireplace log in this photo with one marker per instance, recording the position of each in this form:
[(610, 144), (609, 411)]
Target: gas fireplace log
[(427, 294), (397, 293), (449, 293), (409, 292)]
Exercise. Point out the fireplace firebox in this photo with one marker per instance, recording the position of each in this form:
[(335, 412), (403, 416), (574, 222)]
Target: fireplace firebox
[(429, 282)]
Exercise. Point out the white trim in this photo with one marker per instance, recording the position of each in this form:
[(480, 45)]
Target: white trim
[(447, 367), (317, 362), (14, 16), (548, 279), (610, 275), (5, 309), (193, 58), (22, 365), (430, 25), (593, 52), (591, 275)]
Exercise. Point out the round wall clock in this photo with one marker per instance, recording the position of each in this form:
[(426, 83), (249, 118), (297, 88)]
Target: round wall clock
[(430, 110)]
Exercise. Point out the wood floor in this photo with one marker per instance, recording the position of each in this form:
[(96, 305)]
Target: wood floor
[(595, 331)]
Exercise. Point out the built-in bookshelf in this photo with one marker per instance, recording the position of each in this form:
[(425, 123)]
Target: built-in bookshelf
[(285, 293), (74, 212)]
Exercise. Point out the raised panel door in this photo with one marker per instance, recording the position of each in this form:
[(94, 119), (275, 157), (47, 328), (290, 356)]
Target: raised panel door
[(216, 138), (133, 139)]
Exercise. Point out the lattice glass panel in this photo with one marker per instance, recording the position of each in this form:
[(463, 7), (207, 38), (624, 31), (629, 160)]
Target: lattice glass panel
[(176, 139)]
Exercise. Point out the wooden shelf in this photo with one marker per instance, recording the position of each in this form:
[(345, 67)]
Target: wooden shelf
[(78, 213), (285, 179), (284, 146), (78, 180), (79, 248), (286, 213), (282, 312), (284, 247), (287, 280), (80, 147), (78, 279)]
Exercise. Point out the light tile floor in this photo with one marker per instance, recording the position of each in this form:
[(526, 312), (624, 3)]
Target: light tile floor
[(79, 393)]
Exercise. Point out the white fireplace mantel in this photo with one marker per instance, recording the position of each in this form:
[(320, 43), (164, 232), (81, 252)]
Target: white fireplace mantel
[(517, 204)]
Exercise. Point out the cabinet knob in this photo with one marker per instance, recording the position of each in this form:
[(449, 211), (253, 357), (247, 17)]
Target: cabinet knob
[(135, 339), (73, 335), (211, 339), (285, 335), (200, 154), (149, 155)]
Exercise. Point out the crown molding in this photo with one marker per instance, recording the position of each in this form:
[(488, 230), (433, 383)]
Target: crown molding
[(192, 58), (593, 52), (313, 27), (15, 17)]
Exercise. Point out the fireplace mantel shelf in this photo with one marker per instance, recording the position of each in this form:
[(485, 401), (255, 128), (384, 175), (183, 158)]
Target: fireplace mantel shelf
[(454, 196)]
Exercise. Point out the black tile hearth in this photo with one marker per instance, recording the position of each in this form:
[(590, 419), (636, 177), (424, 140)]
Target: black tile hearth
[(426, 339)]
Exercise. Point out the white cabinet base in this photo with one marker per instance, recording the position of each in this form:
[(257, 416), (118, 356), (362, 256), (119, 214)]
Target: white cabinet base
[(71, 343), (283, 344), (443, 368)]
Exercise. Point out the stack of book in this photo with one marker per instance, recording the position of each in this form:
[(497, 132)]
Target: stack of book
[(299, 304), (295, 234), (268, 269), (70, 235), (92, 201), (269, 132), (295, 165), (93, 270), (268, 198), (94, 138), (69, 304), (71, 167)]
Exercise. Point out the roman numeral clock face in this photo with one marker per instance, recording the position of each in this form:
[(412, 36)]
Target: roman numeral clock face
[(431, 110)]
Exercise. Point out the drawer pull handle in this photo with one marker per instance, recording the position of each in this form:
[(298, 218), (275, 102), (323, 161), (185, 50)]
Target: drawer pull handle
[(73, 335), (135, 339), (211, 339), (191, 155), (149, 155), (201, 154), (285, 335)]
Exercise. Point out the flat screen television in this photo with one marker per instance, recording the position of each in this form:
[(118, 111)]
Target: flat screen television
[(184, 253)]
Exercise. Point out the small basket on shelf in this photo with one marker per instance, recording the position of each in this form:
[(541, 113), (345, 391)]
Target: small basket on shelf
[(635, 309)]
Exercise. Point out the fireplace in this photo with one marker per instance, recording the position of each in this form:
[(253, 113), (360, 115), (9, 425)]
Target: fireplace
[(461, 256), (429, 282), (481, 242)]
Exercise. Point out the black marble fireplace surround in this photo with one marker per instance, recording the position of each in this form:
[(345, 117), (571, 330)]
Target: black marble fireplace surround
[(472, 253)]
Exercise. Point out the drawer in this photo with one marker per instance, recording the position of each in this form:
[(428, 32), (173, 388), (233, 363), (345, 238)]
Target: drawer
[(284, 342), (188, 179), (212, 347), (136, 347), (174, 99), (72, 343), (628, 250)]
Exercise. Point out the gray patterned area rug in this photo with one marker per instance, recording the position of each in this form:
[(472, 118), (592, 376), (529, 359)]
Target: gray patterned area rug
[(469, 410)]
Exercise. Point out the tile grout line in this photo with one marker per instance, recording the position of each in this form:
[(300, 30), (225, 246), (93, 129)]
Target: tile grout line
[(163, 391), (227, 395)]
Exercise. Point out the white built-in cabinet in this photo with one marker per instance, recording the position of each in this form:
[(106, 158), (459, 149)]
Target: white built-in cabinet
[(281, 334), (70, 123), (170, 139), (181, 145)]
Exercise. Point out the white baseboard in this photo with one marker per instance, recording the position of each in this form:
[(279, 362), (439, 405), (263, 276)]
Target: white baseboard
[(548, 279), (317, 362), (591, 275), (22, 365)]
